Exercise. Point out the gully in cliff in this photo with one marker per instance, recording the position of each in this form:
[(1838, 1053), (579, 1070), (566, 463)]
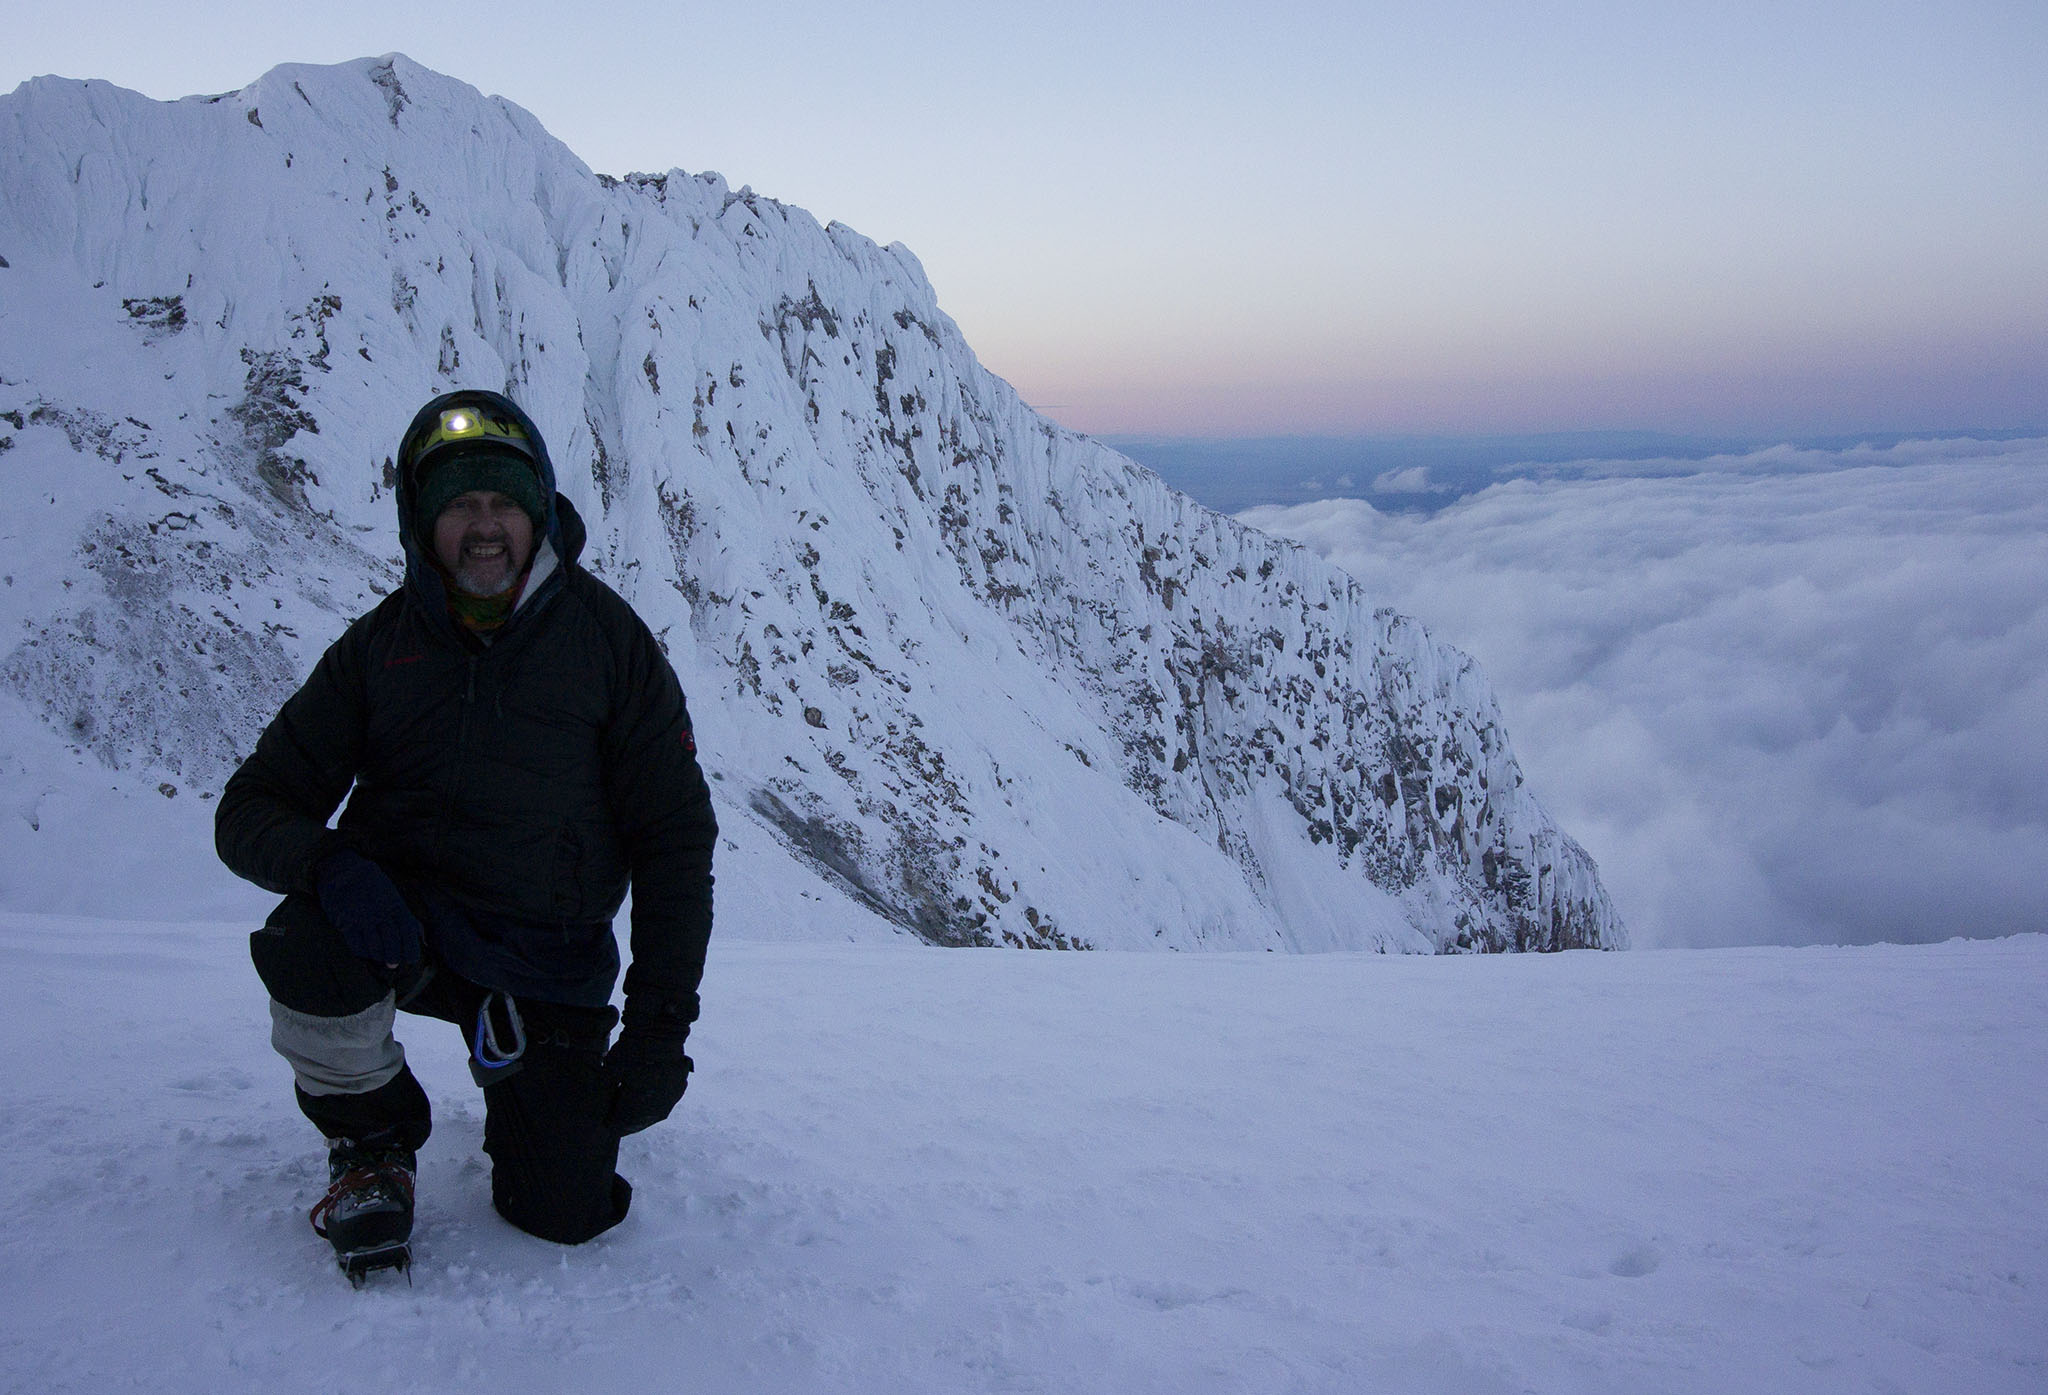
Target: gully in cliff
[(515, 752)]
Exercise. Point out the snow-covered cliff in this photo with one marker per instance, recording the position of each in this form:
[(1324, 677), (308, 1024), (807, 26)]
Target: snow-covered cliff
[(995, 680)]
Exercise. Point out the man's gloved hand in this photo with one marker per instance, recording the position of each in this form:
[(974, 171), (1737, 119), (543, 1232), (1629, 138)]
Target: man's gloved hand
[(365, 906), (646, 1066)]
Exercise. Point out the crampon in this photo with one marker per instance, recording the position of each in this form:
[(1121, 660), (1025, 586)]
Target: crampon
[(367, 1212)]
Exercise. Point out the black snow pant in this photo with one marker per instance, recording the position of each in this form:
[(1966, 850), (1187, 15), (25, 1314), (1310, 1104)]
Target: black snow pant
[(553, 1154)]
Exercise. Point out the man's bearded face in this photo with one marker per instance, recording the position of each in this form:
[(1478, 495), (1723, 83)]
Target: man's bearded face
[(484, 541)]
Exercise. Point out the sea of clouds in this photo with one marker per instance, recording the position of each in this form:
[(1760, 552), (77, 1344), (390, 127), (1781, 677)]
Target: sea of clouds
[(1794, 696)]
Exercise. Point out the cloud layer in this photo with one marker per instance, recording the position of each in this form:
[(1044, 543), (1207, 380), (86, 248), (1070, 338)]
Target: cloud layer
[(1792, 697)]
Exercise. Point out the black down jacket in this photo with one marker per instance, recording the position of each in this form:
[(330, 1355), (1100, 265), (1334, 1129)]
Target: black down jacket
[(512, 790)]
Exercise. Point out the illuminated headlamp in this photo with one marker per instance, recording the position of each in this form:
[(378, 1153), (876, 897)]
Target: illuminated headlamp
[(467, 425)]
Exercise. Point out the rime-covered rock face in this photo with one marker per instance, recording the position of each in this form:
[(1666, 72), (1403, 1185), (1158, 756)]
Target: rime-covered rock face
[(998, 681)]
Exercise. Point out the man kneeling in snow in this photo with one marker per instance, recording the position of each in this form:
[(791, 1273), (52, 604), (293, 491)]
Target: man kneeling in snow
[(519, 751)]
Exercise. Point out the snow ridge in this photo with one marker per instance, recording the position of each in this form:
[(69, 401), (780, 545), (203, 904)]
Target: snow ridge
[(992, 678)]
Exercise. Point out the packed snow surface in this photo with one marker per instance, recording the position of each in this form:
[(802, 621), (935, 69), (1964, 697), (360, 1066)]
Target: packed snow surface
[(906, 1169)]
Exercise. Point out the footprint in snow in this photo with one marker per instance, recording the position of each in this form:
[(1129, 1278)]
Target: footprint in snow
[(1635, 1263)]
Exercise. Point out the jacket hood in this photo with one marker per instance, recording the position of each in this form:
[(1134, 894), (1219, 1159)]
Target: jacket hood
[(558, 540)]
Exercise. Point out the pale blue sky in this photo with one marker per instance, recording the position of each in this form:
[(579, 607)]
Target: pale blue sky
[(1233, 219)]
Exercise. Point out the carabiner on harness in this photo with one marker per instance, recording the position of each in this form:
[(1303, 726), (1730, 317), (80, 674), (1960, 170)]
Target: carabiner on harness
[(500, 1039)]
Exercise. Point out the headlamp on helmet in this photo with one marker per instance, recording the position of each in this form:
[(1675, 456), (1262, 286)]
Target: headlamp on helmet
[(467, 424)]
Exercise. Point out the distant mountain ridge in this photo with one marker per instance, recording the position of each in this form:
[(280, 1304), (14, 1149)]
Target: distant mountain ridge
[(994, 679)]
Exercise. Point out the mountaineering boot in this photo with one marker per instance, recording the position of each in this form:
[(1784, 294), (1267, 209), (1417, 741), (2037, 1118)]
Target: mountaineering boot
[(367, 1212)]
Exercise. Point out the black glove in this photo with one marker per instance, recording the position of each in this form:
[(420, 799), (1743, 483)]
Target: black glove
[(646, 1067), (365, 906)]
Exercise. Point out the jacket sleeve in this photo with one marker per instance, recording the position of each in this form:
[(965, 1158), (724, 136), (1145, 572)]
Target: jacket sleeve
[(271, 826), (663, 811)]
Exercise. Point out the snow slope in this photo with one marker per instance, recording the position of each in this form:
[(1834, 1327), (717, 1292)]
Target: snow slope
[(988, 676), (906, 1170)]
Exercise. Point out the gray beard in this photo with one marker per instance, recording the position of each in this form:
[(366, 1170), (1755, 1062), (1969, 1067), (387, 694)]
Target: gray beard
[(470, 585)]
